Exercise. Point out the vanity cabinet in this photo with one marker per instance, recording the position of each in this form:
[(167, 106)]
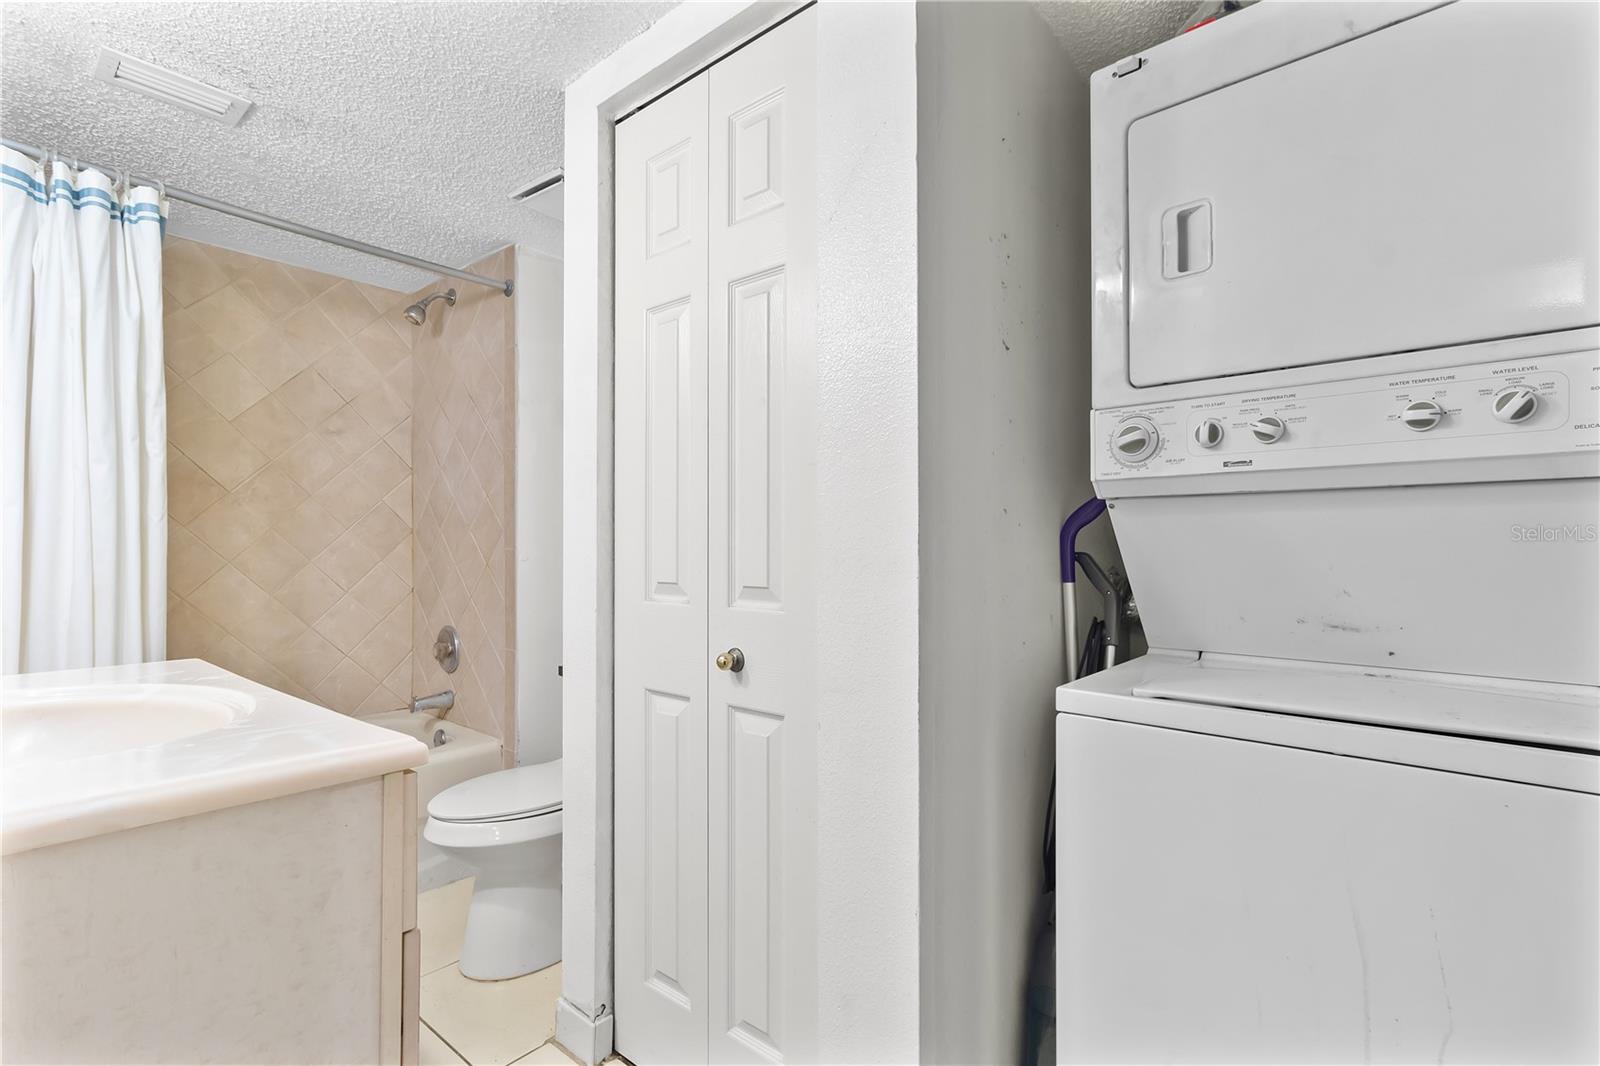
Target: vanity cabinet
[(276, 932), (273, 930)]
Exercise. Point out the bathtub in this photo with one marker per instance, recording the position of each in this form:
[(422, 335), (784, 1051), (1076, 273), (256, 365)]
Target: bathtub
[(455, 753)]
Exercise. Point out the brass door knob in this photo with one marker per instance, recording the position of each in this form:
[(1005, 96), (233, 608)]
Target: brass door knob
[(731, 660)]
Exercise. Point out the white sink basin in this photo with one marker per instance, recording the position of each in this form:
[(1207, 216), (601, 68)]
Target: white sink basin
[(61, 724), (111, 748)]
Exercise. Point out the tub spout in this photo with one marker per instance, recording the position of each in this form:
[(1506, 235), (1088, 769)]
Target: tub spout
[(438, 703)]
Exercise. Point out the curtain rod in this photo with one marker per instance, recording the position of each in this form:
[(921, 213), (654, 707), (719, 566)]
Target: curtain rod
[(225, 208)]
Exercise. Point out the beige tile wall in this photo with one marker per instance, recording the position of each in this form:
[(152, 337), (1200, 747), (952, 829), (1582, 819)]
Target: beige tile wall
[(465, 404), (289, 399)]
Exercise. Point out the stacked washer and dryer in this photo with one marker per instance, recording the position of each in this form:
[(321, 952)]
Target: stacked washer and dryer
[(1347, 422)]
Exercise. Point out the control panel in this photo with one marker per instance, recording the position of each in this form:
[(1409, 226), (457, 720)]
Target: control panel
[(1534, 406)]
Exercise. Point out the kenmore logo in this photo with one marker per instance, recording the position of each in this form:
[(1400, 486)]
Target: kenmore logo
[(1237, 462)]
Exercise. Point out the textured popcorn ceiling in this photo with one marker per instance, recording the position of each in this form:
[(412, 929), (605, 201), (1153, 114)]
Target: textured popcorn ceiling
[(1097, 33), (400, 124)]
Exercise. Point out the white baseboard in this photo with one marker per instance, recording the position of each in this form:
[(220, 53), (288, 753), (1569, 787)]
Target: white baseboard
[(589, 1040)]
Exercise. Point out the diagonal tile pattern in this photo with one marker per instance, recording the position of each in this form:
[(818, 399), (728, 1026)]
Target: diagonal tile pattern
[(289, 477), (462, 436)]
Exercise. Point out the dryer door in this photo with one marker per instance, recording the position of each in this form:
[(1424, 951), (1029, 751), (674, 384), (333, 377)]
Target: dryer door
[(1429, 184)]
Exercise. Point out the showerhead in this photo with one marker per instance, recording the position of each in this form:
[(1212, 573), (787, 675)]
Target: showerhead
[(417, 313)]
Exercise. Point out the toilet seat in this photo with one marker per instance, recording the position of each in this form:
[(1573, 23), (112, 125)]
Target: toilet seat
[(491, 834), (506, 807), (521, 792)]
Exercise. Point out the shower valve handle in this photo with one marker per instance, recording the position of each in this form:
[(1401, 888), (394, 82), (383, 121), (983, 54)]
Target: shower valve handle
[(447, 649)]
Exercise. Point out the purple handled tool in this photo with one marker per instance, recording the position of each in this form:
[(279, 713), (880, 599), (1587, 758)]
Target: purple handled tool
[(1075, 523)]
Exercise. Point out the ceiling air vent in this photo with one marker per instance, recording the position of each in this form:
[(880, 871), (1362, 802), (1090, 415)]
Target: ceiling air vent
[(147, 79), (544, 194)]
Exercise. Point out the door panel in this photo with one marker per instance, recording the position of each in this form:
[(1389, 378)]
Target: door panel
[(761, 444), (755, 365), (1357, 202), (660, 693), (755, 863), (668, 414), (671, 742)]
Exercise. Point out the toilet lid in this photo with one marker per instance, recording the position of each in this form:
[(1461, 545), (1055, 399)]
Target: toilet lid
[(517, 793)]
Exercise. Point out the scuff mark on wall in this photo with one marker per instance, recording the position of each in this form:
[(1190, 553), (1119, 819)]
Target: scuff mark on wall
[(1366, 977), (1444, 984)]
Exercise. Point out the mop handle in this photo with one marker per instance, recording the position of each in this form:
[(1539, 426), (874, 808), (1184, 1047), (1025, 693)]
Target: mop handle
[(1087, 512)]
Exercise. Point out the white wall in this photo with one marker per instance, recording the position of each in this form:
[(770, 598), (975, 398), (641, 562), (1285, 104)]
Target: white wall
[(1004, 402), (866, 541), (538, 507)]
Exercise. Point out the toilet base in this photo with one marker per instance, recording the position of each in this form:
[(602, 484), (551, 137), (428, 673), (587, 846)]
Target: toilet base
[(514, 919), (513, 927)]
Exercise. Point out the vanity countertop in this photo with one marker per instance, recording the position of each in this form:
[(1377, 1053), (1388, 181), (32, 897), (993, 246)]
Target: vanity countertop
[(95, 751)]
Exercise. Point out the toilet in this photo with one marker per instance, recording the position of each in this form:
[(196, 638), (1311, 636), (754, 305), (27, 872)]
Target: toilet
[(506, 826)]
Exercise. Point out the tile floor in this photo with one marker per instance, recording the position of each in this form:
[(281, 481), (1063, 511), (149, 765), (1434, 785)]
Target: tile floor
[(479, 1023)]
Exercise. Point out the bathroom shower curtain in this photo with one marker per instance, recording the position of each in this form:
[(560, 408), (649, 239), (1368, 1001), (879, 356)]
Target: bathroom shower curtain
[(85, 433)]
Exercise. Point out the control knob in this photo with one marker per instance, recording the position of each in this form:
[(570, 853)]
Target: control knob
[(1516, 403), (1208, 434), (1269, 429), (1422, 415), (1135, 440)]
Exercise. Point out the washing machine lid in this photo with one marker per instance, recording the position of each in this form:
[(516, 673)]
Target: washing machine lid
[(1563, 716), (1535, 733), (521, 792)]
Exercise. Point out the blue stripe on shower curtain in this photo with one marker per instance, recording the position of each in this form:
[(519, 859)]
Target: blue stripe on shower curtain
[(131, 213)]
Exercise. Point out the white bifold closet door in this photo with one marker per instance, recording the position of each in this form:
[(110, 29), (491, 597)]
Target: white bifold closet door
[(715, 478)]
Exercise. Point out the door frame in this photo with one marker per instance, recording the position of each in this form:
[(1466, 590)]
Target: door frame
[(685, 40)]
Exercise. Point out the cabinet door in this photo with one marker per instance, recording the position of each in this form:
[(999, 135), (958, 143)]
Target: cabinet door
[(1429, 184), (1221, 900), (762, 443), (660, 595)]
